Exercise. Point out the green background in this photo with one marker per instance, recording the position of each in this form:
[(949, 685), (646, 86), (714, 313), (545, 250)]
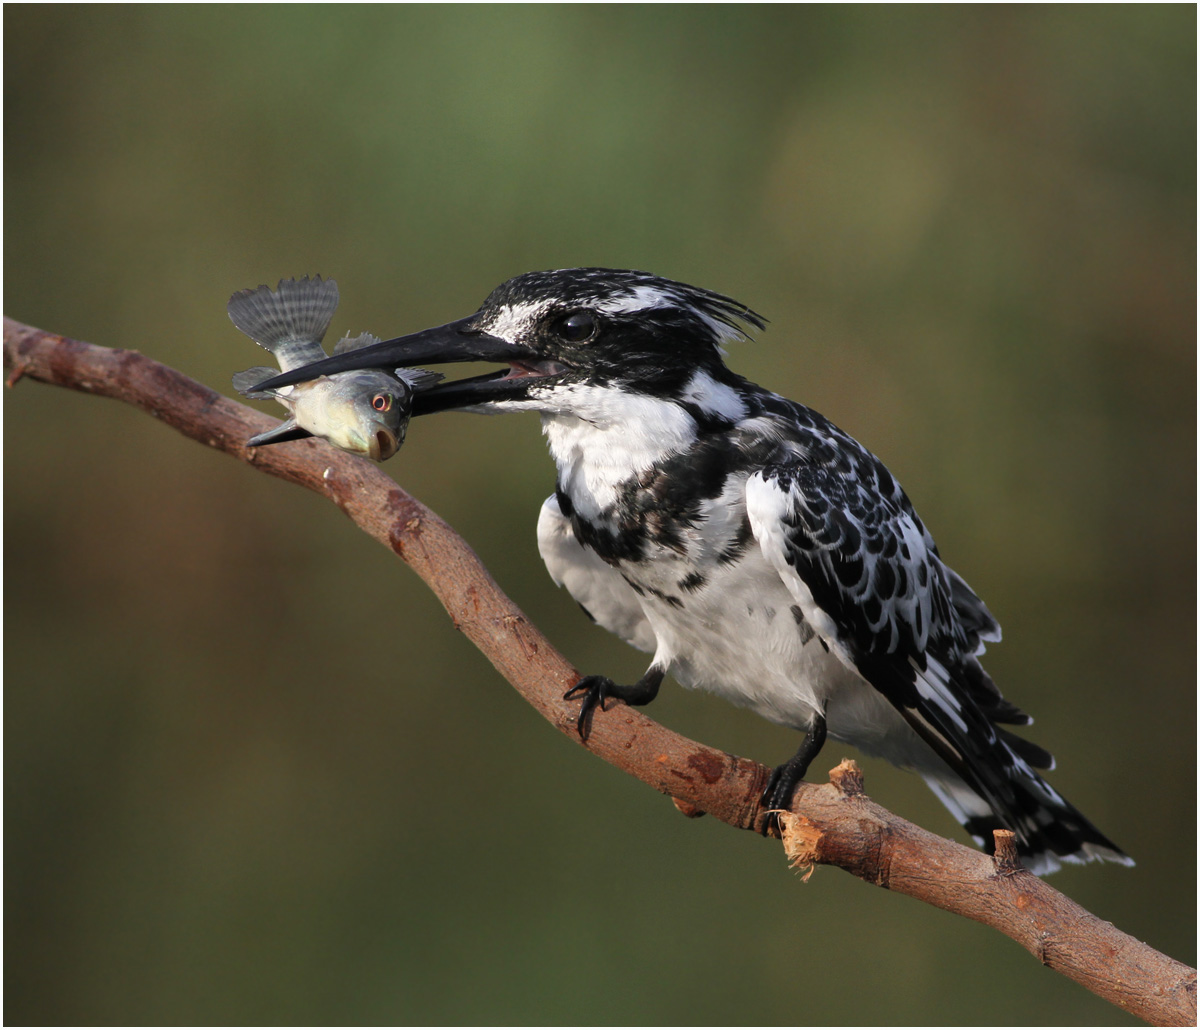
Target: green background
[(252, 772)]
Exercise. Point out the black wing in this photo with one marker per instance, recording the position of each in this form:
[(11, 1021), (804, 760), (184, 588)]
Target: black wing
[(869, 579)]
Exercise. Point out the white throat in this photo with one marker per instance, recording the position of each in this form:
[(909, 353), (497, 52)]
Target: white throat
[(600, 438)]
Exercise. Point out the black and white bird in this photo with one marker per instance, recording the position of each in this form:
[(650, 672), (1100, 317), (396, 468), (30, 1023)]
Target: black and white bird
[(754, 548)]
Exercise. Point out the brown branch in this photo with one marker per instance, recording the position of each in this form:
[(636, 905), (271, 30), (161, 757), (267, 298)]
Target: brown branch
[(833, 824)]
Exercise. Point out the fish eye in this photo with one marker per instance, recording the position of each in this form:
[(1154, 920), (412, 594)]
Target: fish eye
[(382, 402), (576, 327)]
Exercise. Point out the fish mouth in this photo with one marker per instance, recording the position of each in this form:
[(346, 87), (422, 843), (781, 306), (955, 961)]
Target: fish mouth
[(452, 342), (383, 445)]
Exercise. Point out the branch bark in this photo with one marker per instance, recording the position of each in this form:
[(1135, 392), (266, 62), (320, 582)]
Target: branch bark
[(831, 824)]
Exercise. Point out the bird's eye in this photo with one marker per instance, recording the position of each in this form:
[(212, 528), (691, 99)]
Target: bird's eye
[(382, 402), (576, 327)]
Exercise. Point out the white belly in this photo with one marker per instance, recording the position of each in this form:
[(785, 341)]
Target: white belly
[(739, 637), (738, 640), (736, 636)]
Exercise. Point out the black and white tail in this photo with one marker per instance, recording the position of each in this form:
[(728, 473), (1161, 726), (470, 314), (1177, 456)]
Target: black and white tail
[(1049, 829)]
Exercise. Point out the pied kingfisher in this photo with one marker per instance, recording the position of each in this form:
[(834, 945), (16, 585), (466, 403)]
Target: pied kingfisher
[(754, 548)]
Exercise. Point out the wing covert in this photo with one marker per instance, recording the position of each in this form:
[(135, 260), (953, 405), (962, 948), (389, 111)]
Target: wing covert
[(860, 558), (868, 578)]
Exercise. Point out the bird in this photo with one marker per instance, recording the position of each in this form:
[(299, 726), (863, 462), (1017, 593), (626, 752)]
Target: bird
[(755, 549)]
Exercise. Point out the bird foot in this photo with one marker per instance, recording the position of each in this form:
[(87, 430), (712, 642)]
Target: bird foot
[(782, 783), (596, 690), (778, 798)]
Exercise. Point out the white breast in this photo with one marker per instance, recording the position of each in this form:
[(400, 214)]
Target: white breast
[(604, 436)]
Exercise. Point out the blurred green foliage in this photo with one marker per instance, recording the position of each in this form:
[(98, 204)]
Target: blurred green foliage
[(253, 774)]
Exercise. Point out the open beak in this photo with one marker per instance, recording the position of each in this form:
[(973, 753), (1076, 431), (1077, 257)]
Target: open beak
[(454, 341)]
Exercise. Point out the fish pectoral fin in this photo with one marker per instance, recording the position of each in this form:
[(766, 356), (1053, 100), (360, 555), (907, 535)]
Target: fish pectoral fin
[(418, 378), (246, 382), (282, 433)]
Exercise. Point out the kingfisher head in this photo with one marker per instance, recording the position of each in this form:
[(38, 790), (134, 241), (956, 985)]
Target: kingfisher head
[(565, 337)]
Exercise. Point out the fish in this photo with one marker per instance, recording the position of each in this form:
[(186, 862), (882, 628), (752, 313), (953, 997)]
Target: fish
[(364, 412)]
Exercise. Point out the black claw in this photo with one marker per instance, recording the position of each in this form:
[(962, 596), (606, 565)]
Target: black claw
[(782, 784), (596, 690), (778, 796)]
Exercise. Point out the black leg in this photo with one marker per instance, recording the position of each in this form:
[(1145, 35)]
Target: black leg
[(595, 690), (782, 784)]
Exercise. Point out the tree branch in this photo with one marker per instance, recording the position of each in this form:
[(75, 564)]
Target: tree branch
[(832, 824)]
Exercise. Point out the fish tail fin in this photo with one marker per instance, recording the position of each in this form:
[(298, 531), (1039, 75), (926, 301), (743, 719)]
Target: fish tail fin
[(289, 321)]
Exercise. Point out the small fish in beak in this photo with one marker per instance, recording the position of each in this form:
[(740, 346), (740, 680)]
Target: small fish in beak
[(364, 411)]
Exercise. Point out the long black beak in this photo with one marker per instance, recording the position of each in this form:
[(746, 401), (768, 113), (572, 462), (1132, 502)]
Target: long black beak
[(454, 341)]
